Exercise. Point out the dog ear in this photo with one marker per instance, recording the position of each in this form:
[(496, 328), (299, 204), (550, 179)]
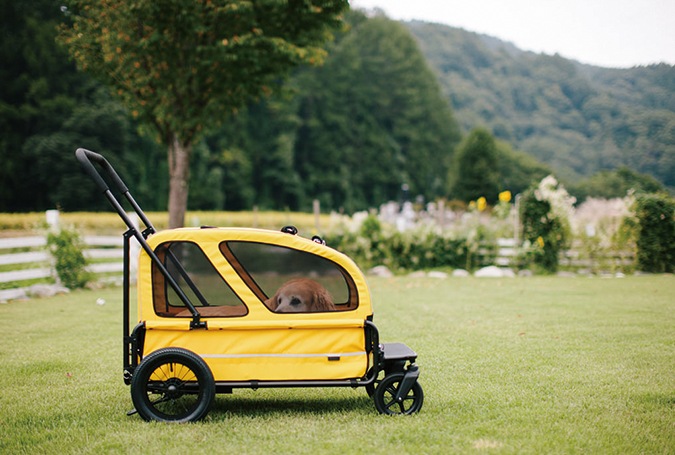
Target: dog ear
[(323, 300), (271, 303)]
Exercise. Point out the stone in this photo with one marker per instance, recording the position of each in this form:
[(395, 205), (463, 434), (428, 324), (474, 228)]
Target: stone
[(381, 271)]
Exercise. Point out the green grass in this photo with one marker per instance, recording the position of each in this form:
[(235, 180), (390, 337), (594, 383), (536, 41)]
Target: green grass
[(528, 365)]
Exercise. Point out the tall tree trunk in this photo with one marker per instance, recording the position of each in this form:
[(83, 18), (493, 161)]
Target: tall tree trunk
[(179, 176)]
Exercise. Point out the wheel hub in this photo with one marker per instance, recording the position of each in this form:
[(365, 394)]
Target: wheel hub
[(173, 387)]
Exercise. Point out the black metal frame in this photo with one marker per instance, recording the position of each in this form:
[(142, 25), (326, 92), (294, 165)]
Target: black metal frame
[(384, 359)]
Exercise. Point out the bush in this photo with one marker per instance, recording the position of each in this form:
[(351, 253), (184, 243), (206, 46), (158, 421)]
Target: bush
[(375, 243), (655, 233), (545, 214), (67, 248)]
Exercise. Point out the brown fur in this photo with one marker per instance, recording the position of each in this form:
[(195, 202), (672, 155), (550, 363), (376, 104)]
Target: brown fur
[(301, 295)]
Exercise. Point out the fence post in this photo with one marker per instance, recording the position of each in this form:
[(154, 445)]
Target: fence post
[(52, 217), (316, 207)]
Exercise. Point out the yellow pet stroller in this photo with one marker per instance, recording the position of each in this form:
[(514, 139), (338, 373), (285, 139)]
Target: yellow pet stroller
[(227, 308)]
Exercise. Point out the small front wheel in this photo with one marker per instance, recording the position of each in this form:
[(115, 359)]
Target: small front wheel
[(173, 385), (385, 396)]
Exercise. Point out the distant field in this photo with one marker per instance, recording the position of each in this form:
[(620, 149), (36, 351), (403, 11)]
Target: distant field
[(110, 222), (535, 365)]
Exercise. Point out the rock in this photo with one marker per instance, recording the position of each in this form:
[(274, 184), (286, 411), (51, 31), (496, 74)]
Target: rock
[(46, 290), (525, 272), (381, 271), (437, 274), (460, 273), (508, 272), (491, 271), (12, 294)]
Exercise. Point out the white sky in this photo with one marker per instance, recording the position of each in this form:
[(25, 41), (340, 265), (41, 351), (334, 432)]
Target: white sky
[(609, 33)]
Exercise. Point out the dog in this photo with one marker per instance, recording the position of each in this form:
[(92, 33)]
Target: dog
[(301, 295)]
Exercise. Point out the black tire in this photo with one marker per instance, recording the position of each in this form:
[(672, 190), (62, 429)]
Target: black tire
[(173, 385), (370, 388), (385, 396)]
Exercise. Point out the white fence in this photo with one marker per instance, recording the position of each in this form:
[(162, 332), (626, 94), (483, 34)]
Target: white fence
[(104, 253), (27, 258)]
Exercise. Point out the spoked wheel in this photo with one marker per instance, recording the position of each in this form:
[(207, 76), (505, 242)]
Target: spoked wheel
[(385, 396), (173, 385)]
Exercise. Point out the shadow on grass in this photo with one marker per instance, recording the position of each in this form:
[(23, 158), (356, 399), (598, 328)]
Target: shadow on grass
[(270, 406)]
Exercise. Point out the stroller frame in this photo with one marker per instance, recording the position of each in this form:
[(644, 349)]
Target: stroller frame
[(391, 377)]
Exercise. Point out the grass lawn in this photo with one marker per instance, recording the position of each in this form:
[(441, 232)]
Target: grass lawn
[(528, 365)]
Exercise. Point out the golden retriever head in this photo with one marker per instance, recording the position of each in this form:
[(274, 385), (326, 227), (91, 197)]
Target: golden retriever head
[(301, 295)]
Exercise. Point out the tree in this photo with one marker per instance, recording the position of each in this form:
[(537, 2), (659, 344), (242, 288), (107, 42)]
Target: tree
[(518, 170), (655, 214), (476, 171), (373, 118), (183, 68), (38, 89), (616, 183)]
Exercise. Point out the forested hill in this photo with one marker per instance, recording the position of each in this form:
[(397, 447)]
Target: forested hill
[(577, 118)]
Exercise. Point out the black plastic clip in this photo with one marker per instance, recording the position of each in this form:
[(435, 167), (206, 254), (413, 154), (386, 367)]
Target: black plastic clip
[(289, 230)]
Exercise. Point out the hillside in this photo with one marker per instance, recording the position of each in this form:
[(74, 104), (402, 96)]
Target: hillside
[(577, 118)]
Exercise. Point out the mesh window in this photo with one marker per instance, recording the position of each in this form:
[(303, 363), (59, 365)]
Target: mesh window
[(265, 268), (199, 281)]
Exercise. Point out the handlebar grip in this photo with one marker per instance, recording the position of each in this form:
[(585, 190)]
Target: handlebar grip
[(86, 157)]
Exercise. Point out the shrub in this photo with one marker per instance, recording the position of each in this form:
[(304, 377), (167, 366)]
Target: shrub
[(376, 243), (655, 233), (67, 248), (545, 214)]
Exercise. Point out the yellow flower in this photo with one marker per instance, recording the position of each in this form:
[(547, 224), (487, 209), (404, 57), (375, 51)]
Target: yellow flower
[(540, 241), (481, 203), (505, 196)]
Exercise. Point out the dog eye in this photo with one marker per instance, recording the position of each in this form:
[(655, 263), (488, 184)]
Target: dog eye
[(295, 301)]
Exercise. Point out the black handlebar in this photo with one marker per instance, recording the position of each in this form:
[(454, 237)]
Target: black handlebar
[(85, 157)]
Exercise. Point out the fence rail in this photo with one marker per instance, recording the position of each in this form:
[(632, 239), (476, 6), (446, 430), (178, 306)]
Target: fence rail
[(104, 253), (26, 258)]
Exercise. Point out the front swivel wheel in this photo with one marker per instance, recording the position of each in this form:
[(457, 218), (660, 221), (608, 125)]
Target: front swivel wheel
[(387, 400)]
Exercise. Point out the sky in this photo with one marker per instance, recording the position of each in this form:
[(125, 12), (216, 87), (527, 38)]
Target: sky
[(608, 33)]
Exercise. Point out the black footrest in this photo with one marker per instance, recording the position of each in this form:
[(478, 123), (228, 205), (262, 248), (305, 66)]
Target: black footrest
[(398, 351)]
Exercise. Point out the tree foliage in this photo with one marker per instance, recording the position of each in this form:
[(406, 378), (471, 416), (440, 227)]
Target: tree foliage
[(47, 109), (184, 68), (376, 111), (476, 172), (354, 130), (655, 214), (616, 183)]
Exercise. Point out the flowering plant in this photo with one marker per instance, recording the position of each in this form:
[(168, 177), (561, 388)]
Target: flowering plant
[(545, 213)]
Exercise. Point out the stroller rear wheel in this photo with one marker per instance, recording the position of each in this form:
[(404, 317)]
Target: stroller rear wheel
[(173, 385)]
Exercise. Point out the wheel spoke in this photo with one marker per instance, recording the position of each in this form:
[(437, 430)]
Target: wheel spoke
[(401, 406)]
